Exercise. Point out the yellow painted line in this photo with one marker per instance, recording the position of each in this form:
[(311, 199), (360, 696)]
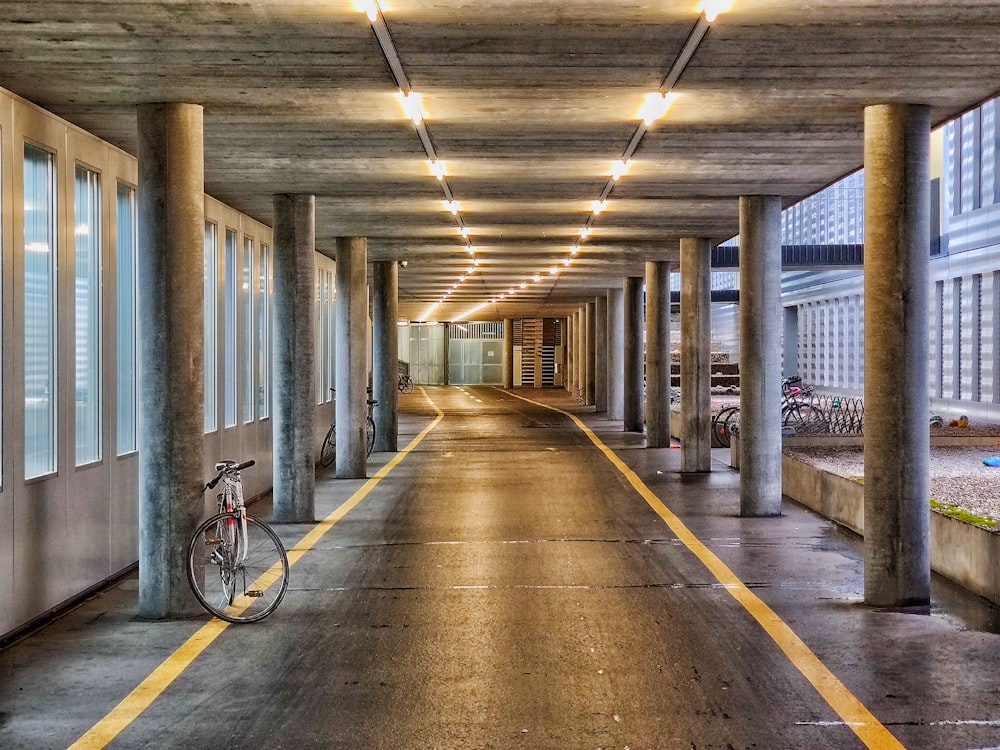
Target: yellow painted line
[(132, 706), (853, 712)]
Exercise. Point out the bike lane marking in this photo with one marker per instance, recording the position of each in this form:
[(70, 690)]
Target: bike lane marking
[(851, 710), (136, 702)]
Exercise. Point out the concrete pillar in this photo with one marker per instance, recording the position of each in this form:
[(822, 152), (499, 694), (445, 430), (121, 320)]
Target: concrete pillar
[(171, 351), (634, 355), (760, 355), (601, 354), (508, 353), (897, 304), (351, 330), (293, 458), (616, 354), (385, 353), (696, 355), (570, 354), (591, 353), (581, 355), (658, 354)]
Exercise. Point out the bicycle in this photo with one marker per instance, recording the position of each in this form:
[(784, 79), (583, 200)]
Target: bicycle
[(237, 566), (328, 451), (799, 413), (370, 425), (404, 383)]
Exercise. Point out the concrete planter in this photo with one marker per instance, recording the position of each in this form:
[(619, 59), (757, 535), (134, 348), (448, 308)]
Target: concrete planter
[(967, 554)]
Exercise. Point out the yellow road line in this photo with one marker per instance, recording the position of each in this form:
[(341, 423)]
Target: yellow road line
[(854, 713), (132, 706)]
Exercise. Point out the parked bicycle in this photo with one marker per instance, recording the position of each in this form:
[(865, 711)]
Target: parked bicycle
[(328, 450), (404, 383), (800, 413), (237, 566)]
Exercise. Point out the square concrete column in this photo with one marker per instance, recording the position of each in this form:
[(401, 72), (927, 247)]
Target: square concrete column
[(600, 354), (634, 355), (171, 351), (897, 305), (658, 354), (616, 354), (696, 355), (351, 328), (760, 355), (508, 353), (293, 347), (385, 353)]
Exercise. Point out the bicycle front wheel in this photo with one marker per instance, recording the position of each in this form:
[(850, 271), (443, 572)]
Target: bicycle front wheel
[(408, 385), (329, 450), (238, 578)]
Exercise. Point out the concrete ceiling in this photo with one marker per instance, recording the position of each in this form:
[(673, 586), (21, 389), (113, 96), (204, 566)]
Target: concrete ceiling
[(527, 102)]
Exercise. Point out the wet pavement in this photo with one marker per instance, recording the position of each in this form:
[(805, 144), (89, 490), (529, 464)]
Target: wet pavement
[(505, 585)]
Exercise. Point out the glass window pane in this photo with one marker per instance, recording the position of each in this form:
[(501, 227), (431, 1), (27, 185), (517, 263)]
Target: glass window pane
[(87, 315), (126, 319), (249, 289), (39, 312), (263, 321), (211, 327), (229, 334)]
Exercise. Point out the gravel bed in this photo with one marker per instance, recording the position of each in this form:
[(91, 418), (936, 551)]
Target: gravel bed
[(958, 475)]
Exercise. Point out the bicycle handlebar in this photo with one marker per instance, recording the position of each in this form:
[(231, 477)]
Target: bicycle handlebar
[(228, 468)]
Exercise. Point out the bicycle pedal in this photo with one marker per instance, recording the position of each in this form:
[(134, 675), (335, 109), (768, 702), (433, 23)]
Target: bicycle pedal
[(255, 593)]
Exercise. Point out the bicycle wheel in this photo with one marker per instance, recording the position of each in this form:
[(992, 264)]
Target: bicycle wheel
[(328, 452), (731, 425), (719, 426), (235, 577), (804, 418), (407, 384), (369, 435)]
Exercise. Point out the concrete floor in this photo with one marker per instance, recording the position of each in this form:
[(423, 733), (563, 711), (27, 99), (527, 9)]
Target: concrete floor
[(504, 586)]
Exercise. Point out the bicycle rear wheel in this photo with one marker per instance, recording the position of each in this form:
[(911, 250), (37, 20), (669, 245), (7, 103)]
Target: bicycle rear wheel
[(328, 452), (407, 384), (369, 435), (235, 577)]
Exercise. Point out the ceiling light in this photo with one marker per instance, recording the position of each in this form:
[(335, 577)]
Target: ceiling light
[(655, 106), (464, 231), (574, 250), (585, 232), (598, 206), (452, 206), (437, 168), (523, 284), (368, 7), (536, 277), (554, 270), (567, 262), (412, 106), (619, 168), (712, 8)]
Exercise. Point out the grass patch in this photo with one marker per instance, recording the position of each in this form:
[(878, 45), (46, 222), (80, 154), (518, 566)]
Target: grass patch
[(958, 514)]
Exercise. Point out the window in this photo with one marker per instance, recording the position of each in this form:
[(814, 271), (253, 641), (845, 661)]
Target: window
[(229, 334), (262, 318), (126, 320), (39, 312), (87, 308), (211, 327), (249, 290)]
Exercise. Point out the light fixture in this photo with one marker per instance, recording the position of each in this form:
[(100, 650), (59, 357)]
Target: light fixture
[(567, 262), (584, 232), (464, 231), (452, 206), (437, 168), (412, 106), (655, 106), (536, 278), (554, 270), (368, 7), (574, 250), (470, 250), (523, 284), (403, 263), (713, 8), (618, 169), (598, 206)]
